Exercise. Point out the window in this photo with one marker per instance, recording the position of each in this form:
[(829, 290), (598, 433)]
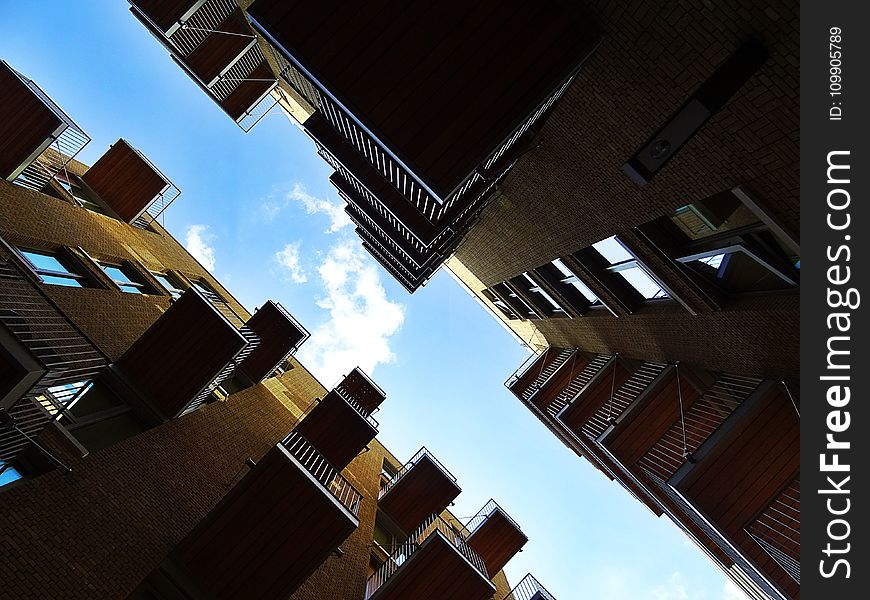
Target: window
[(549, 306), (167, 282), (626, 265), (125, 278), (572, 279), (53, 269), (72, 185), (8, 474)]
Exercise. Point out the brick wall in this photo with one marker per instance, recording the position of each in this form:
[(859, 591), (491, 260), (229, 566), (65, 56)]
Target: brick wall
[(571, 192)]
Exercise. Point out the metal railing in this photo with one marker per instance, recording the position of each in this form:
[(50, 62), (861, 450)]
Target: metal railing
[(252, 339), (328, 476), (71, 360), (63, 148), (627, 393), (527, 588), (421, 453), (196, 28), (260, 109), (549, 365), (485, 513), (701, 419), (161, 201), (778, 529), (525, 366), (355, 405), (578, 382), (415, 541)]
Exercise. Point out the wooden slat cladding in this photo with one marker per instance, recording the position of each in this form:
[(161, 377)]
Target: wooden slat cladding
[(124, 180), (559, 380), (337, 430), (266, 536), (633, 437), (278, 337), (441, 84), (164, 13), (363, 391), (218, 50), (248, 92), (26, 123), (437, 571), (497, 540), (180, 354), (424, 490), (746, 468)]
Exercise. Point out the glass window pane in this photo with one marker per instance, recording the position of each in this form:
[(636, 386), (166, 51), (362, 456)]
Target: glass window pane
[(643, 283), (54, 280), (612, 250), (9, 475), (738, 272), (45, 262), (116, 274), (575, 281), (131, 289), (167, 283)]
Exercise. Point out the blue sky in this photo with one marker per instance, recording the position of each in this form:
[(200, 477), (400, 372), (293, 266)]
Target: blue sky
[(258, 210)]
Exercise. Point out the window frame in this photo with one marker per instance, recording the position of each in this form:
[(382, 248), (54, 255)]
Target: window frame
[(82, 280), (142, 287)]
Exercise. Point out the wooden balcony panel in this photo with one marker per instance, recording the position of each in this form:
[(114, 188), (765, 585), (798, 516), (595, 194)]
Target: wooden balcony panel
[(559, 380), (497, 540), (218, 50), (279, 336), (266, 536), (165, 13), (437, 571), (594, 396), (27, 125), (362, 390), (424, 490), (406, 255), (180, 354), (645, 425), (410, 282), (396, 70), (337, 430), (125, 181), (248, 92), (740, 471)]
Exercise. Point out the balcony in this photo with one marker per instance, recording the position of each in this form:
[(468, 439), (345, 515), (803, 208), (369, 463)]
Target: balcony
[(213, 43), (422, 487), (534, 373), (268, 535), (45, 361), (529, 589), (130, 185), (176, 364), (495, 536), (410, 111), (37, 139), (280, 336), (434, 563), (340, 425)]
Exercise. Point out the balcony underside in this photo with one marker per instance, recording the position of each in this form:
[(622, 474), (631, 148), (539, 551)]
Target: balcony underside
[(26, 124), (165, 13), (422, 491), (262, 540), (362, 389), (437, 571), (432, 78), (279, 336), (337, 430), (248, 92), (124, 181), (210, 58), (180, 354), (593, 397), (497, 540)]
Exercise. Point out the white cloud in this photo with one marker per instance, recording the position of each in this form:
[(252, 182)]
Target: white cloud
[(197, 243), (334, 210), (674, 589), (362, 318), (732, 592), (289, 259)]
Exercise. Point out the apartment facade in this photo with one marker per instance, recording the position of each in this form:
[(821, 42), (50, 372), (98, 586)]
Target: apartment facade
[(620, 189), (164, 442)]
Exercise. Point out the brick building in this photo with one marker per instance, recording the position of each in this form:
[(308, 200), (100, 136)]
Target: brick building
[(164, 442), (616, 182)]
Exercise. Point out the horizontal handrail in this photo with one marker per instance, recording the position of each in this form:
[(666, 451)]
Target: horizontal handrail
[(422, 452), (330, 477), (433, 524), (485, 513), (525, 366), (528, 587)]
